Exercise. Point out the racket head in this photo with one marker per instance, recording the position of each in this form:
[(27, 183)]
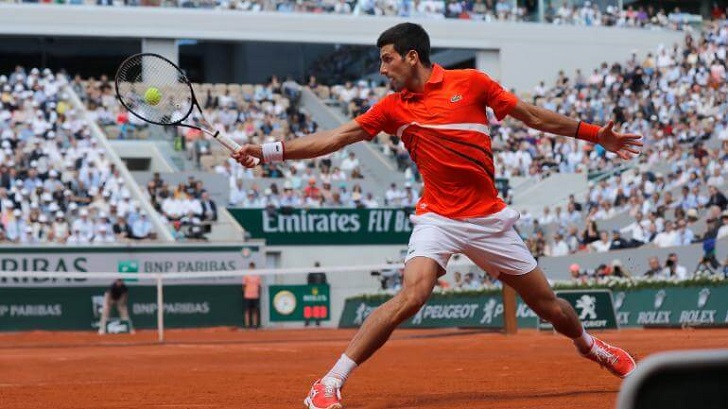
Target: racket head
[(139, 73)]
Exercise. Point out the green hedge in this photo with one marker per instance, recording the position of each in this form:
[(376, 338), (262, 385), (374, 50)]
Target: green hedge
[(611, 283)]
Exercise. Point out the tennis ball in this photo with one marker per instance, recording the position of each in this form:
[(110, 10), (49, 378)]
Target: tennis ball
[(152, 96)]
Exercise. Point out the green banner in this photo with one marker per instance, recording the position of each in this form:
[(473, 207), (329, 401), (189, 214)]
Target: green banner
[(66, 308), (476, 311), (326, 226), (700, 305), (673, 306), (594, 308), (299, 302)]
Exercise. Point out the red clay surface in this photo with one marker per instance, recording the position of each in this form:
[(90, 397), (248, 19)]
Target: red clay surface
[(223, 368)]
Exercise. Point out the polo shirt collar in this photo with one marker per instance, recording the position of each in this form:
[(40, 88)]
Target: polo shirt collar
[(435, 78)]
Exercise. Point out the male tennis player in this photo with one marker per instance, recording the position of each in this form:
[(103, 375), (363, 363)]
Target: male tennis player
[(441, 117)]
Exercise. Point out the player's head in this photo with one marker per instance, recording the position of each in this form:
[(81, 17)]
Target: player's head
[(402, 50)]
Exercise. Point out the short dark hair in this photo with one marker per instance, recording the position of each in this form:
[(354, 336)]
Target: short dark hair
[(405, 37)]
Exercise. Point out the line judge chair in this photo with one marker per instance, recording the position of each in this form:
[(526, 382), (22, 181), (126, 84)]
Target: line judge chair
[(678, 380)]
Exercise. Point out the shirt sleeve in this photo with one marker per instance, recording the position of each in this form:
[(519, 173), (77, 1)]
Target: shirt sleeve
[(494, 95), (376, 119)]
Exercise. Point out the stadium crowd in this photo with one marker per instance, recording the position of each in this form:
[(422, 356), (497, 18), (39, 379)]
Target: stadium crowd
[(679, 104), (187, 207), (580, 12), (57, 185)]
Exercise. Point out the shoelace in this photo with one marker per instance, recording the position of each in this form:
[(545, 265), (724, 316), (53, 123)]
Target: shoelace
[(604, 356), (329, 391)]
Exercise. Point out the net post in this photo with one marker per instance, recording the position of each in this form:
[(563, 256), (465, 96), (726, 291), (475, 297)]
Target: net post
[(160, 310), (510, 321)]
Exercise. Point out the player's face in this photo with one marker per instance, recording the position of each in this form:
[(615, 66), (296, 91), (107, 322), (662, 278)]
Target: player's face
[(395, 67)]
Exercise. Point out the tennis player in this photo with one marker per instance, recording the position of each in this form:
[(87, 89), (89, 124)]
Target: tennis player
[(441, 117)]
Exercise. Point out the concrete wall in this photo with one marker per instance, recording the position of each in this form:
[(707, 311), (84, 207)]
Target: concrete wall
[(527, 52), (142, 149), (634, 260)]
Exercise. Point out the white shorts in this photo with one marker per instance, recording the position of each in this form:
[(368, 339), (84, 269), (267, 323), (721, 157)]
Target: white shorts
[(490, 242)]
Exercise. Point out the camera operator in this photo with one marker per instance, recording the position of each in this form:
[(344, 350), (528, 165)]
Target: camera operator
[(391, 278), (673, 270)]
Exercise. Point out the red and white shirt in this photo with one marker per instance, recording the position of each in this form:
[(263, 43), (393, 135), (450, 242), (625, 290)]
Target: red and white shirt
[(445, 129)]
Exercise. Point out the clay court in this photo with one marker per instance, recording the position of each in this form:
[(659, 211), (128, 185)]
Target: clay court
[(226, 368)]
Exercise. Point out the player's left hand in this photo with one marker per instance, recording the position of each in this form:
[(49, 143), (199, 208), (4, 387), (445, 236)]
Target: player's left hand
[(625, 145)]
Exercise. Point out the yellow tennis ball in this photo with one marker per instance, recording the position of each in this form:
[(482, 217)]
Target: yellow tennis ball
[(152, 96)]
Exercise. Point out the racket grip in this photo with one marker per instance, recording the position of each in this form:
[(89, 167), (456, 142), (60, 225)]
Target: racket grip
[(230, 144)]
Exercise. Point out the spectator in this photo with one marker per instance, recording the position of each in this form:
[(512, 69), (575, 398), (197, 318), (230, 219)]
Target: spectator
[(209, 209), (350, 163), (685, 235), (142, 227), (471, 282), (603, 244), (559, 248), (619, 243), (655, 270), (667, 238), (716, 198), (576, 274), (637, 229), (673, 270), (458, 280), (723, 229), (121, 228), (618, 269)]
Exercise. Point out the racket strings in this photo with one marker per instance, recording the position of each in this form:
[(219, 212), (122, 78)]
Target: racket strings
[(154, 89)]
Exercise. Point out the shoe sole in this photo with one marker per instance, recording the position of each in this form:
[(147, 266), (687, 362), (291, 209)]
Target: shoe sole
[(634, 366), (307, 402)]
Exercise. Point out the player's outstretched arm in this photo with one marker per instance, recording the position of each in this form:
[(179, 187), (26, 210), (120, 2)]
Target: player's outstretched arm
[(625, 145), (309, 146)]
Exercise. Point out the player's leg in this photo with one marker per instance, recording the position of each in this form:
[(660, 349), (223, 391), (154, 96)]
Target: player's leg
[(246, 315), (498, 249), (420, 276), (123, 307), (105, 313), (536, 292), (430, 247), (256, 313)]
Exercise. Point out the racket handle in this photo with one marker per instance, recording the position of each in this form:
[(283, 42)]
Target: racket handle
[(230, 144)]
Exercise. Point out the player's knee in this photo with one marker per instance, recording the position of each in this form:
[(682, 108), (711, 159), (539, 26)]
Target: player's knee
[(412, 301), (551, 310)]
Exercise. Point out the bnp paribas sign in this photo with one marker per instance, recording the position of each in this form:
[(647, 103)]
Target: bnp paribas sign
[(326, 226), (123, 259)]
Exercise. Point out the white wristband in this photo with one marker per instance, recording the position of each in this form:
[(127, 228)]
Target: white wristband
[(272, 152)]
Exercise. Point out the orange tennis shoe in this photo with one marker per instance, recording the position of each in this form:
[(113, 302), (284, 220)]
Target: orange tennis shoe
[(617, 361), (324, 396)]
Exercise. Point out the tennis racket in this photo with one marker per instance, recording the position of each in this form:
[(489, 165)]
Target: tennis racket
[(155, 90)]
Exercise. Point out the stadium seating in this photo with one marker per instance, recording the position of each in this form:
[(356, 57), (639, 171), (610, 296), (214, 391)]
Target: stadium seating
[(57, 183), (586, 13)]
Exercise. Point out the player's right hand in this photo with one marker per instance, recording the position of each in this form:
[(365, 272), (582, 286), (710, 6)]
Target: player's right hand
[(248, 155)]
